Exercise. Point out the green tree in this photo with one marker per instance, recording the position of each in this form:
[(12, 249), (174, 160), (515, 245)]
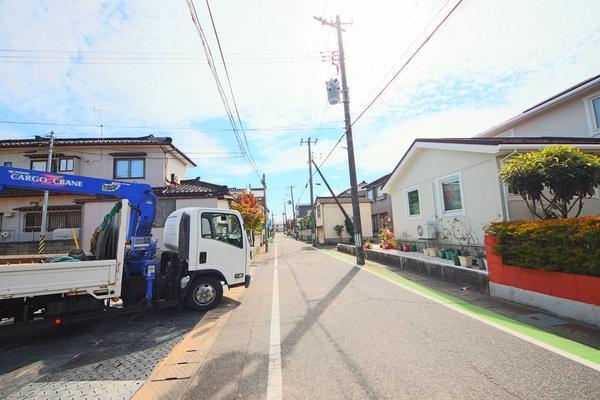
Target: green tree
[(252, 214), (305, 222), (553, 181)]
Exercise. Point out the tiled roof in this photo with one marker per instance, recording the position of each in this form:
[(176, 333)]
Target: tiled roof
[(150, 139), (194, 188), (90, 142)]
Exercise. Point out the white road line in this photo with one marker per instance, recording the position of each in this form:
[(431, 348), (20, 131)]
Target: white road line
[(274, 385)]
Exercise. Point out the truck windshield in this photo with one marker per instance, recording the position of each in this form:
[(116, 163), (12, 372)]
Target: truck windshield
[(222, 227)]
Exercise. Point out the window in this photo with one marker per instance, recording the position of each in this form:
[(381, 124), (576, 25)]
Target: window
[(40, 165), (130, 168), (164, 207), (222, 227), (414, 206), (8, 164), (56, 219), (451, 194), (596, 111), (319, 211), (58, 165), (66, 164)]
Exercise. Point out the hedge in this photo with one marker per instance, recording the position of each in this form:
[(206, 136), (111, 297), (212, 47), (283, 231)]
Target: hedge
[(570, 245)]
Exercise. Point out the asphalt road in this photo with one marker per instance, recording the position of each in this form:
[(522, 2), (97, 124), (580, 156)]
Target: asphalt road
[(310, 326), (345, 333)]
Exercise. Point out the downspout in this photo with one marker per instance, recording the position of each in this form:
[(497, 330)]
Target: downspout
[(503, 192)]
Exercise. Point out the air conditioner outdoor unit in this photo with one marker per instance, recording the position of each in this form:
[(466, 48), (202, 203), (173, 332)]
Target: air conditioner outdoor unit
[(9, 214), (426, 230)]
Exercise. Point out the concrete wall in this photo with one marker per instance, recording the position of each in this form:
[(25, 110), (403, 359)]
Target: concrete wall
[(52, 247), (440, 270)]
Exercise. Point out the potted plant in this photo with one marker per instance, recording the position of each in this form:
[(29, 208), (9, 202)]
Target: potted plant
[(387, 238), (465, 259)]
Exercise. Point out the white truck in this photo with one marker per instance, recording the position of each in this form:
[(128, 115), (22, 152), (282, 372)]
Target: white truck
[(204, 249)]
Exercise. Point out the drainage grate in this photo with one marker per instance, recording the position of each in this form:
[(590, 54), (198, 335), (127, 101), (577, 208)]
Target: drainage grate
[(541, 320)]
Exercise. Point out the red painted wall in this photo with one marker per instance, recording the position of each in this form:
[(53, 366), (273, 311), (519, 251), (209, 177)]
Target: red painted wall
[(582, 288)]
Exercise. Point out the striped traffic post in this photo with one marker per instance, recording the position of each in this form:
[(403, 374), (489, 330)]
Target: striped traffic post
[(42, 244)]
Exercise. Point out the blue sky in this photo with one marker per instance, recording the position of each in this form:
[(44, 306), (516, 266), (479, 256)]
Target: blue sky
[(139, 66)]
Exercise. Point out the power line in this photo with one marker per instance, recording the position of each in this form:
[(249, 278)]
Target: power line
[(237, 113), (177, 128), (215, 74), (413, 55), (146, 58)]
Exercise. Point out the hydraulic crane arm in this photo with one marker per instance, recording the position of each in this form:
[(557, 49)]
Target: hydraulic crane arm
[(140, 195)]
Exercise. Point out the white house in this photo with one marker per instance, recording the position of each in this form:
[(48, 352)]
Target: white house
[(328, 215), (149, 159), (444, 183)]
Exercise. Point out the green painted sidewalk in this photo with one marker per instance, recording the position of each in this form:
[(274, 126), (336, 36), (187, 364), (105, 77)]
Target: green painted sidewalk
[(566, 347)]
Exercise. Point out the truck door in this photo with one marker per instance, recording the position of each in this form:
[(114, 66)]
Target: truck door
[(222, 246)]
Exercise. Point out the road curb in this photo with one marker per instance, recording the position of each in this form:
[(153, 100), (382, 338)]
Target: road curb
[(172, 376)]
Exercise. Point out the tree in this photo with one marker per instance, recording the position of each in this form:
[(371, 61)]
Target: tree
[(252, 214), (305, 222), (553, 181)]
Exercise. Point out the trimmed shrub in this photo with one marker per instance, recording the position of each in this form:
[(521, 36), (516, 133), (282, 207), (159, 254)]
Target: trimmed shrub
[(570, 245)]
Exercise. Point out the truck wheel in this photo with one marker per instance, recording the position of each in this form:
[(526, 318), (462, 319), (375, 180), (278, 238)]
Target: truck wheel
[(204, 293)]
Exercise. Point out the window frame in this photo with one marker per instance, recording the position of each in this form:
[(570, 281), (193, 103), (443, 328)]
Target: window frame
[(129, 173), (214, 233), (590, 110), (72, 219), (53, 165), (66, 159), (440, 194), (407, 202)]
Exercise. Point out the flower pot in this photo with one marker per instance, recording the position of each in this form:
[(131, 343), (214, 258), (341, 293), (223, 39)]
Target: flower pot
[(456, 260), (465, 261), (413, 248), (406, 247)]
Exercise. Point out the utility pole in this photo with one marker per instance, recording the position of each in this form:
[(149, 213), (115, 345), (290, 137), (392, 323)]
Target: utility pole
[(266, 212), (285, 220), (310, 181), (44, 227), (293, 210), (360, 255)]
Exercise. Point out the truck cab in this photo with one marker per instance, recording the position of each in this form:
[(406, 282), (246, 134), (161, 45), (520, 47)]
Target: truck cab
[(211, 248)]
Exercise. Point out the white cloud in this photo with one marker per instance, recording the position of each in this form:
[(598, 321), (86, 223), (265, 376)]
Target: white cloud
[(490, 60)]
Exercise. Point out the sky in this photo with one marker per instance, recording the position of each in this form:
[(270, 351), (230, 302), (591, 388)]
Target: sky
[(140, 67)]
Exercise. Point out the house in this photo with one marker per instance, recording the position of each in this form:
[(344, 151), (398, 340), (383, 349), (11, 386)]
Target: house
[(147, 159), (328, 215), (302, 210), (575, 112), (381, 206), (441, 186)]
